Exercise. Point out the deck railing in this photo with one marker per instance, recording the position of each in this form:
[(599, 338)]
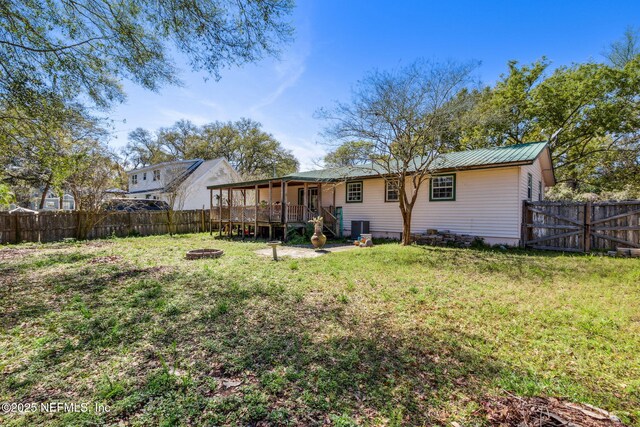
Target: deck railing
[(330, 219), (295, 213)]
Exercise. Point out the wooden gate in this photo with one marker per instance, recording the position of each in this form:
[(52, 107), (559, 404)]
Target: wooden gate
[(581, 227)]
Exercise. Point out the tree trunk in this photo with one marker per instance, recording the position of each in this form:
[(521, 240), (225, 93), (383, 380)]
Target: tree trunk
[(406, 225), (44, 195), (170, 221)]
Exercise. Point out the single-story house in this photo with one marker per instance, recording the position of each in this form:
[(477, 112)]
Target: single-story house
[(182, 183), (477, 192)]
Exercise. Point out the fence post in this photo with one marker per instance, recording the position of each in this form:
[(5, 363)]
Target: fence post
[(587, 227), (17, 228)]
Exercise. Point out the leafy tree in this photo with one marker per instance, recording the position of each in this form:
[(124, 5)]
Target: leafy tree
[(586, 112), (144, 149), (350, 153), (93, 169), (6, 195), (625, 50), (58, 55), (402, 114), (74, 48), (39, 156), (251, 151)]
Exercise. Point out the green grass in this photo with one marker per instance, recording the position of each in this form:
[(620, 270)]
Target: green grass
[(388, 335)]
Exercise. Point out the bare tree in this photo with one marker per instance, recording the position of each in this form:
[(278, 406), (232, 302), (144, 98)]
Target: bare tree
[(403, 115), (94, 171)]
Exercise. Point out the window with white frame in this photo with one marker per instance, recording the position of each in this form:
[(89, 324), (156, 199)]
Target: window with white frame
[(442, 188), (354, 192), (134, 179), (144, 176), (529, 186), (156, 175), (392, 192)]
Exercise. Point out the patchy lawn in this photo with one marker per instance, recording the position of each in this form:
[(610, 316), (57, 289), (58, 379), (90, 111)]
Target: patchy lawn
[(389, 335)]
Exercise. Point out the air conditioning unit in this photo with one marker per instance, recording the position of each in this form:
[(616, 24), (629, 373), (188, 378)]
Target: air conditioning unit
[(358, 228)]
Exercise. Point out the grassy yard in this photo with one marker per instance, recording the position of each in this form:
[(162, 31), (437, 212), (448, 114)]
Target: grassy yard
[(389, 335)]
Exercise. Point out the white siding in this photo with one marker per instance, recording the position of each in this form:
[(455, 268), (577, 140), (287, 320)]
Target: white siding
[(487, 204), (149, 184), (193, 192), (211, 172), (535, 170)]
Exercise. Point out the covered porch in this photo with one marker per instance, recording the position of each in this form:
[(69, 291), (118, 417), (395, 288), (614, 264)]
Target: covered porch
[(273, 207)]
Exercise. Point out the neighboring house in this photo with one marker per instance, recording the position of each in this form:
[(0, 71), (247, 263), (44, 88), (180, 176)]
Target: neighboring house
[(476, 192), (182, 183), (52, 202)]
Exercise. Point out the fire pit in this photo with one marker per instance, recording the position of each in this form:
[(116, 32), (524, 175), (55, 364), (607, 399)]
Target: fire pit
[(204, 253)]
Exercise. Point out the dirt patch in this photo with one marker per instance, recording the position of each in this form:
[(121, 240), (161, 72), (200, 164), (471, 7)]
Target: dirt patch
[(546, 412), (304, 252), (15, 253), (111, 259)]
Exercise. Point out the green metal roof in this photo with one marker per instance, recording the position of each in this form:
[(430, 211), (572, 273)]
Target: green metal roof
[(524, 153), (469, 159)]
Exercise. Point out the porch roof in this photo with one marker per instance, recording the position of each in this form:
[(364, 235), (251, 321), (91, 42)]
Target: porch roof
[(519, 154)]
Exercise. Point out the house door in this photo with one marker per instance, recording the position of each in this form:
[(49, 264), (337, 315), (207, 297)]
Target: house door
[(312, 194)]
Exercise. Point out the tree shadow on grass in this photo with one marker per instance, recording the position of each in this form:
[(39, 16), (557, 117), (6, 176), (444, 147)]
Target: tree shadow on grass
[(517, 264), (229, 353), (27, 300), (312, 360)]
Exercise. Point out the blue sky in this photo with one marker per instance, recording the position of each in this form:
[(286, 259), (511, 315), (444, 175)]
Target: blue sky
[(337, 42)]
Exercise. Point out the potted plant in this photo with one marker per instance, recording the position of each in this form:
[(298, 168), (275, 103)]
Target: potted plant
[(318, 239)]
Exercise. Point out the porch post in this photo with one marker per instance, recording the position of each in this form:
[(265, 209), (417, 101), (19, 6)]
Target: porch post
[(244, 207), (270, 209), (270, 201), (305, 202), (230, 195), (334, 197), (319, 199), (220, 211), (283, 213), (255, 217), (210, 211), (284, 202)]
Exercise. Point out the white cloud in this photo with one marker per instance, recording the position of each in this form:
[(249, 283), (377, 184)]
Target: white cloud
[(287, 72)]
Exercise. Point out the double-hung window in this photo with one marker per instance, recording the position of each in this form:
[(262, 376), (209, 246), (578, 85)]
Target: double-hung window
[(156, 175), (540, 190), (134, 179), (442, 188), (392, 192), (354, 192), (529, 186)]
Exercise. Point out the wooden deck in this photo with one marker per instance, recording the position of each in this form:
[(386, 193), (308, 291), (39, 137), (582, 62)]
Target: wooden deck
[(274, 216)]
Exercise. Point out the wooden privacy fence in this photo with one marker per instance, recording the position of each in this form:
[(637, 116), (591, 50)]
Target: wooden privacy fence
[(55, 226), (581, 227)]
